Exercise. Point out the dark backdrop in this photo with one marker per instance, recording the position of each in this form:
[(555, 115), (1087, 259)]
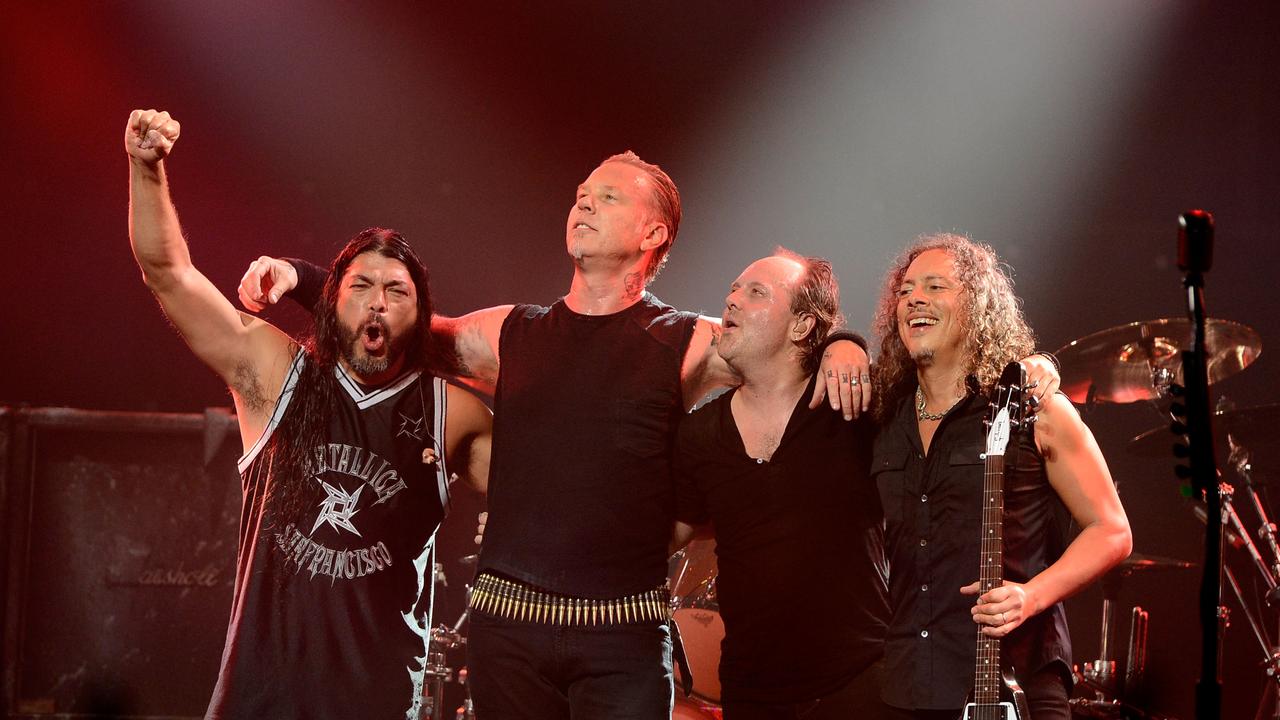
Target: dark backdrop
[(1069, 136)]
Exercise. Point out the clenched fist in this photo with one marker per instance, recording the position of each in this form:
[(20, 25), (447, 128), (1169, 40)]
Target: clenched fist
[(150, 135)]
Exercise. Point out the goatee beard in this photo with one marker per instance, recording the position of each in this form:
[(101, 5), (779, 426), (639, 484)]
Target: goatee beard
[(923, 356), (367, 365)]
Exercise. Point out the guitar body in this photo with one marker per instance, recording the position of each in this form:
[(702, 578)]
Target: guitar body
[(1012, 704), (996, 694)]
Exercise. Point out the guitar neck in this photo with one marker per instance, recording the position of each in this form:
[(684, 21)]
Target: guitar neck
[(987, 680)]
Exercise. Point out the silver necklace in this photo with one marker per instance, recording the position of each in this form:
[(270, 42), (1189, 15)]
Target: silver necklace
[(926, 415)]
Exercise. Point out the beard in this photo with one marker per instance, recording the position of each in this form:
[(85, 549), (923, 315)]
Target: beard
[(923, 356), (350, 341)]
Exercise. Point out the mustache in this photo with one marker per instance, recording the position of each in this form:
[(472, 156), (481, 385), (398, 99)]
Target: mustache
[(374, 319)]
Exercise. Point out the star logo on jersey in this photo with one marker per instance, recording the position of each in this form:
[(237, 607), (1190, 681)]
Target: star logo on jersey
[(338, 508), (410, 427)]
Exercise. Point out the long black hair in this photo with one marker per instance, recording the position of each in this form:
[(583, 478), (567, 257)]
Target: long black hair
[(293, 445)]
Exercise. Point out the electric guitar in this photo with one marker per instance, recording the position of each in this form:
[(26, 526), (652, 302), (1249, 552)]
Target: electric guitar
[(996, 694)]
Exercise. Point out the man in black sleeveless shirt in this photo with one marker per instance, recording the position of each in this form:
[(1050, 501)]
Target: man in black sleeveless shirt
[(348, 446), (570, 612), (949, 322), (799, 543)]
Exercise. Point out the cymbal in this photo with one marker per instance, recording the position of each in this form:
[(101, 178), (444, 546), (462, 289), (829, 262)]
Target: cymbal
[(1117, 365), (1252, 427)]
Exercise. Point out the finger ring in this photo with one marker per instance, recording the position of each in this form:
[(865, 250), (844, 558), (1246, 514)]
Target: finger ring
[(853, 381), (1001, 618)]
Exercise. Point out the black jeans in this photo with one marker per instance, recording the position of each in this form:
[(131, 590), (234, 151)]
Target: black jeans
[(859, 698), (1047, 699), (529, 671)]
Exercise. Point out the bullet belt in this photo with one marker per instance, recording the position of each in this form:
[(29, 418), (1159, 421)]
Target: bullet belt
[(517, 601)]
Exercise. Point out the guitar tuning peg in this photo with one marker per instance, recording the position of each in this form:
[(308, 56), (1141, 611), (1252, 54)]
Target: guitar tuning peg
[(1182, 471), (1181, 451), (1176, 390)]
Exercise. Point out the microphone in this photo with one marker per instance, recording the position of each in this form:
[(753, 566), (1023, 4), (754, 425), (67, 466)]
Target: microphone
[(1195, 241)]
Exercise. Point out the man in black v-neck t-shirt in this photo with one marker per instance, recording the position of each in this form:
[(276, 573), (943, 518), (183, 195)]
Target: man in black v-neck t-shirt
[(802, 579)]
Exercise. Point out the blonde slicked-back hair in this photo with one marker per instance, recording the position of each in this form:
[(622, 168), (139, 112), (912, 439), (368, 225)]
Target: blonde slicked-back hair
[(995, 331), (666, 207)]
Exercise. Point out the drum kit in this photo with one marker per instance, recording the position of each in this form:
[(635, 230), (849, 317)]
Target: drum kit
[(1142, 362), (446, 640), (1137, 362)]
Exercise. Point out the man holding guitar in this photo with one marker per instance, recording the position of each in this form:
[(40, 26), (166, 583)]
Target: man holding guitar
[(949, 323)]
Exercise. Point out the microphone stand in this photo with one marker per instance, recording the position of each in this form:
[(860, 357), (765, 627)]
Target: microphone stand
[(1195, 256)]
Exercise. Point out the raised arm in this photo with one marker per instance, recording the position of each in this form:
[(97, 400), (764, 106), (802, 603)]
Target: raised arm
[(469, 344), (250, 355), (1078, 473)]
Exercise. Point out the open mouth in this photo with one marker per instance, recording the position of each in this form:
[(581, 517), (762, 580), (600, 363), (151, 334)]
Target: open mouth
[(373, 336), (919, 322)]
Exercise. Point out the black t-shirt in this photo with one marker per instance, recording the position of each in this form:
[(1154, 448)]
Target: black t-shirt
[(580, 494), (799, 547), (330, 617), (933, 508)]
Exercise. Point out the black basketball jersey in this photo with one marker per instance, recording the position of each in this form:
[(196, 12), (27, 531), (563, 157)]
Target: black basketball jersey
[(331, 613)]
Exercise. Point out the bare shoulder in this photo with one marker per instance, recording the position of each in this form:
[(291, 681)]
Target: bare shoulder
[(466, 414), (486, 322), (1059, 425), (1057, 411), (471, 342)]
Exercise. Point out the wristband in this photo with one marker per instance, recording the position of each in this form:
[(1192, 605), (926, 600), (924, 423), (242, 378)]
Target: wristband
[(311, 279), (1057, 366)]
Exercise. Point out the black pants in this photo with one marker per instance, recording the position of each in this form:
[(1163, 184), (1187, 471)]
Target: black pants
[(535, 672), (859, 698), (1047, 699)]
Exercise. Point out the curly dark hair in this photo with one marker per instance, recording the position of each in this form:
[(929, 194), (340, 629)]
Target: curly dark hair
[(996, 332)]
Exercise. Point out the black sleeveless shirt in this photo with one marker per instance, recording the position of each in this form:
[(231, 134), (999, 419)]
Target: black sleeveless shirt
[(581, 499), (331, 614), (933, 514)]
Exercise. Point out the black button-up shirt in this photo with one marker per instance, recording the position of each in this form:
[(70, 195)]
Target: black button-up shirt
[(933, 513)]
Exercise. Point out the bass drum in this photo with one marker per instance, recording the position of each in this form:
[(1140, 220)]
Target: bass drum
[(692, 579)]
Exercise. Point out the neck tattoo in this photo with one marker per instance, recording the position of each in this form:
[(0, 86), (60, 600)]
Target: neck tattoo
[(923, 414)]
